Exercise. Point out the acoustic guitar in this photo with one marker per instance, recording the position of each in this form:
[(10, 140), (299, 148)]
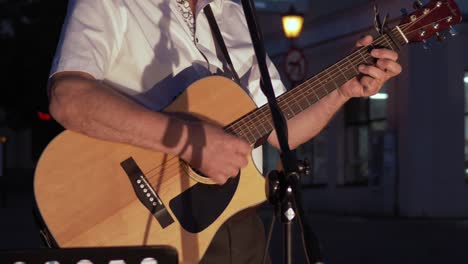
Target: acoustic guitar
[(92, 192)]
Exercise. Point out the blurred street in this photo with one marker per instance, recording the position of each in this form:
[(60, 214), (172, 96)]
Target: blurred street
[(344, 239), (348, 239)]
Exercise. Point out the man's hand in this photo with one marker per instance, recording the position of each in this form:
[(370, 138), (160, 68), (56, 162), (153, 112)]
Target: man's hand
[(374, 75), (213, 152)]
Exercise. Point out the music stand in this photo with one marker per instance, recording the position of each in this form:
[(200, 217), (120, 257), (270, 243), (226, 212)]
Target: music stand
[(130, 255)]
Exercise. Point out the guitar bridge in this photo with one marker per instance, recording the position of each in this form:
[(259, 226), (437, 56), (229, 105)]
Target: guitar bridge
[(145, 193)]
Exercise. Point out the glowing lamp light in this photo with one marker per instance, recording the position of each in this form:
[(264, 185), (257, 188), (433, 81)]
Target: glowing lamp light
[(466, 79), (292, 23)]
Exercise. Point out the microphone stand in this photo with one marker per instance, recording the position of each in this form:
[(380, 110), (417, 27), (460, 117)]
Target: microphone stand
[(283, 186)]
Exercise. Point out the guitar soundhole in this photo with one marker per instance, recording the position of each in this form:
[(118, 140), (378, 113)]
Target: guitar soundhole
[(203, 175), (198, 172)]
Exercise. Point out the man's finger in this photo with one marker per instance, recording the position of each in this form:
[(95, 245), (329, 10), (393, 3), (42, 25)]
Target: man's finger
[(364, 41), (243, 147), (372, 71), (389, 66), (384, 54)]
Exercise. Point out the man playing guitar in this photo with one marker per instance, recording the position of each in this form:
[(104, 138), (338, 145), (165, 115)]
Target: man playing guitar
[(119, 63)]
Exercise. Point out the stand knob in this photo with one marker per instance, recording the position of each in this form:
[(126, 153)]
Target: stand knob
[(417, 4), (453, 32), (304, 167), (426, 45)]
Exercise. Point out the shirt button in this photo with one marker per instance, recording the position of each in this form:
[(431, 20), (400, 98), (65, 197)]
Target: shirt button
[(196, 40)]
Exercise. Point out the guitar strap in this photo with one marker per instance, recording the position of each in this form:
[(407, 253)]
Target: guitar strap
[(219, 41)]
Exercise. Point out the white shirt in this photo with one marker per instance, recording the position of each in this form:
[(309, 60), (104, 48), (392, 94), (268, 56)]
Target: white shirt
[(146, 50)]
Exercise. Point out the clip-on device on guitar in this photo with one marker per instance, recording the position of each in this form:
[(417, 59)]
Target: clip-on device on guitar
[(283, 186)]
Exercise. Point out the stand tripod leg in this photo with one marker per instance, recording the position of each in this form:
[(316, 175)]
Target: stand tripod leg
[(270, 233), (287, 234)]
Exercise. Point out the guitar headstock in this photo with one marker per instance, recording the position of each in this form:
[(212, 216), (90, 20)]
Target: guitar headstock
[(430, 19)]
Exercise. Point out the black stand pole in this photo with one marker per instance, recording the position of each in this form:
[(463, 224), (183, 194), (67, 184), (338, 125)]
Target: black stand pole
[(283, 186)]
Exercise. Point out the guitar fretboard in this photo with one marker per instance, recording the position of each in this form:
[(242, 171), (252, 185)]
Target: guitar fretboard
[(258, 123)]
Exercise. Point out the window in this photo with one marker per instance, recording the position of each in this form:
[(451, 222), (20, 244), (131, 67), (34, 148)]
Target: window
[(365, 127)]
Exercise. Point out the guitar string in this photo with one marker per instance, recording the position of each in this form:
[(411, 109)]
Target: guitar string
[(351, 57), (266, 116), (333, 73), (293, 91), (170, 165)]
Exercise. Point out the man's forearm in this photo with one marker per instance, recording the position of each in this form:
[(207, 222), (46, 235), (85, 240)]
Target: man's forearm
[(311, 121), (82, 104)]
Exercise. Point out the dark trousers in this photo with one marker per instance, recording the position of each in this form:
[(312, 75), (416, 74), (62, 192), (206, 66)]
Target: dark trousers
[(239, 240)]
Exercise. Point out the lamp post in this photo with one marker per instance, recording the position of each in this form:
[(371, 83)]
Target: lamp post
[(295, 62)]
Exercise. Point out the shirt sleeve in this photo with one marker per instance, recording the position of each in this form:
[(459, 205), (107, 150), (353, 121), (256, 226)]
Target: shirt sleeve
[(253, 82), (91, 37)]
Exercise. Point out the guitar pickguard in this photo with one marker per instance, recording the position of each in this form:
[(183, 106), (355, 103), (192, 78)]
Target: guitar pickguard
[(199, 206)]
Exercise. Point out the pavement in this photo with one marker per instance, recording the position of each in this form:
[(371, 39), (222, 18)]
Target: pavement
[(343, 239), (353, 239)]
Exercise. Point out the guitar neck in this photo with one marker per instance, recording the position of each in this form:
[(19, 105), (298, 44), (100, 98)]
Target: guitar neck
[(258, 123)]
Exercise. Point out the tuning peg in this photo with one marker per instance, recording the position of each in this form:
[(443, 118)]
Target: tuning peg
[(440, 37), (417, 4), (404, 12), (426, 45), (453, 32)]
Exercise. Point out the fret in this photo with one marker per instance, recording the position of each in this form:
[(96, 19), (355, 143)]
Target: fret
[(288, 112), (269, 125), (303, 104), (312, 98), (350, 73), (254, 136), (295, 108), (363, 57), (321, 92), (251, 140), (341, 71), (390, 46), (328, 79), (333, 78), (341, 79), (314, 92), (245, 132), (255, 130), (263, 123), (289, 108), (353, 67), (329, 88), (298, 103), (306, 97), (242, 134)]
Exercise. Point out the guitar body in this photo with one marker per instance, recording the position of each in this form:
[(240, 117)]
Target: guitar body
[(87, 198)]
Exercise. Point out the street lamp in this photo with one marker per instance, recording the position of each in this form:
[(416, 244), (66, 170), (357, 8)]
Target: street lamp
[(292, 23), (295, 64)]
